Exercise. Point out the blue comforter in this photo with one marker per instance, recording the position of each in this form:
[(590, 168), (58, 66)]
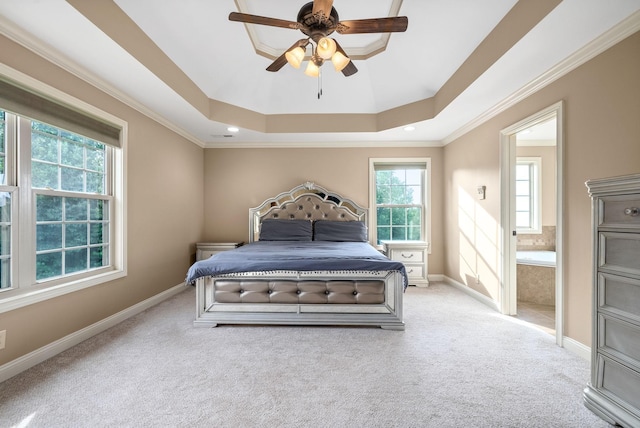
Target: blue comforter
[(265, 256)]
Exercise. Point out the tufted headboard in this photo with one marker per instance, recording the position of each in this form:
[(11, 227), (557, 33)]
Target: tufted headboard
[(307, 201)]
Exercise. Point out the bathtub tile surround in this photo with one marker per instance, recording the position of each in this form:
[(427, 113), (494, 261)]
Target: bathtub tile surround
[(536, 284), (545, 241)]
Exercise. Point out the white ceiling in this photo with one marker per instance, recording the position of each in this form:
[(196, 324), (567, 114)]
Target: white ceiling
[(218, 57)]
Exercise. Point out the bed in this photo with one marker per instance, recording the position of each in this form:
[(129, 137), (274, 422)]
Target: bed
[(307, 262)]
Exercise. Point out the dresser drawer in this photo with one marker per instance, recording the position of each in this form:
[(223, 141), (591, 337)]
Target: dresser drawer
[(619, 383), (619, 295), (406, 256), (620, 339), (620, 211), (619, 252)]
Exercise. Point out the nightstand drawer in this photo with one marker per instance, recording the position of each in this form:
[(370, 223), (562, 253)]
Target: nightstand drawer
[(414, 271), (406, 256)]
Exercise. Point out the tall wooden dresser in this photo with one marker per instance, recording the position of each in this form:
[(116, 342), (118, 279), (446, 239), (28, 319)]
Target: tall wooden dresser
[(614, 390)]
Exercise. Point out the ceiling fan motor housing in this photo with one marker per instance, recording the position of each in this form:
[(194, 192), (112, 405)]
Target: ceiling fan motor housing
[(318, 25)]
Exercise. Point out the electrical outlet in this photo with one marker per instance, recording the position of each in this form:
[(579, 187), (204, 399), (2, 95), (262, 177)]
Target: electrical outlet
[(3, 338)]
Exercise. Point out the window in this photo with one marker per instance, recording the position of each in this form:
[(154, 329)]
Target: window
[(399, 188), (528, 207), (61, 203)]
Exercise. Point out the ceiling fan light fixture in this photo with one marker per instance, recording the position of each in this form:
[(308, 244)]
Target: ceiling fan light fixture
[(340, 61), (312, 69), (295, 56), (326, 48)]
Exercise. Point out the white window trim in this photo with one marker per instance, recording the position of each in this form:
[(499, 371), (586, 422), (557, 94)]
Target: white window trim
[(27, 294), (536, 192), (372, 226)]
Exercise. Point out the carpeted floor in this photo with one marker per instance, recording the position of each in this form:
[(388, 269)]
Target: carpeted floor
[(457, 364)]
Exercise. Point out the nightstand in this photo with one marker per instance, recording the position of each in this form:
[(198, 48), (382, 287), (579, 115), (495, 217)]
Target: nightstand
[(413, 254), (204, 250)]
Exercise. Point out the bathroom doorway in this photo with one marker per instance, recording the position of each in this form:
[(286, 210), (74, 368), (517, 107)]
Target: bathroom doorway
[(531, 181)]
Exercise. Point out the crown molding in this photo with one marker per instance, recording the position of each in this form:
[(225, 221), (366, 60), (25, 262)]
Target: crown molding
[(26, 40), (616, 34), (320, 145)]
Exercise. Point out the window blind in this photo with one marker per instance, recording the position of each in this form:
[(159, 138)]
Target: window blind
[(24, 102)]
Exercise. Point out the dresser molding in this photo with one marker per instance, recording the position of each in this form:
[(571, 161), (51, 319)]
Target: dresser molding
[(614, 390)]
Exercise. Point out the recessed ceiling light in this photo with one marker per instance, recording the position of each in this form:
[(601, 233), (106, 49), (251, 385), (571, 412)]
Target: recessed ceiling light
[(409, 128), (233, 129)]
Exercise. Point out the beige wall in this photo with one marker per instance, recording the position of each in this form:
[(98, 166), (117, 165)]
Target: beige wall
[(164, 187), (602, 107), (238, 179)]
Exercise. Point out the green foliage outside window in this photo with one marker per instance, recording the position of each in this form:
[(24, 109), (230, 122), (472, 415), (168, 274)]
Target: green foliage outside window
[(399, 204)]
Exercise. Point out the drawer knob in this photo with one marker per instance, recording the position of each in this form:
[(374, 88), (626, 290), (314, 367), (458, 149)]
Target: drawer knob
[(633, 211)]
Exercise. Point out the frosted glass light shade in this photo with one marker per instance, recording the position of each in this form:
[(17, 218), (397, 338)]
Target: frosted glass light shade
[(295, 56), (339, 61), (326, 48), (312, 70)]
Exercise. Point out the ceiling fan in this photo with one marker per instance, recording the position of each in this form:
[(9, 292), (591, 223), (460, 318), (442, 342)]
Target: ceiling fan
[(317, 20)]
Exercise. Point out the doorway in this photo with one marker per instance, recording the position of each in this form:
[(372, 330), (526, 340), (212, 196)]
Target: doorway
[(531, 216)]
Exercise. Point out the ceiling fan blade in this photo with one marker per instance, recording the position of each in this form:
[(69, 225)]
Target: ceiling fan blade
[(322, 5), (263, 20), (350, 68), (282, 59), (394, 24)]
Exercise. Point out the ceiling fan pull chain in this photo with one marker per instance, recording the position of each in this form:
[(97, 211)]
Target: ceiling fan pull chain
[(319, 84)]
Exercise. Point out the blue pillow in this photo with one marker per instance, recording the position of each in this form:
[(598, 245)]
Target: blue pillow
[(286, 230), (340, 231)]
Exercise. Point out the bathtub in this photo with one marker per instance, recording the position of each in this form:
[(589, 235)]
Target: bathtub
[(536, 271), (536, 258)]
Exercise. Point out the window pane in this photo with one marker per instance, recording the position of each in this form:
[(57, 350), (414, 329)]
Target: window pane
[(48, 236), (5, 273), (95, 182), (75, 209), (98, 257), (95, 159), (398, 216), (98, 233), (98, 209), (522, 172), (44, 175), (414, 195), (522, 219), (72, 179), (383, 216), (72, 154), (48, 265), (75, 234), (414, 233), (384, 233), (414, 177), (383, 177), (398, 233), (413, 216), (48, 208), (75, 260), (522, 203), (44, 147), (522, 188)]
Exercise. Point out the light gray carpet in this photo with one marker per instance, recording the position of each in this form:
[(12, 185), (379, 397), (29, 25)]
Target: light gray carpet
[(458, 364)]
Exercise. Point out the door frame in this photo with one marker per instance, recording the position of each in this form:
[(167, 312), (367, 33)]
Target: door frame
[(508, 291)]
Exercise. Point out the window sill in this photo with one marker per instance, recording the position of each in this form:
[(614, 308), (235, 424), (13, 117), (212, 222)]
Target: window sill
[(18, 298)]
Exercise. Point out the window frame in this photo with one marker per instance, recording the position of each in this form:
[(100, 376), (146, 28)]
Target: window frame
[(535, 191), (25, 289), (426, 197)]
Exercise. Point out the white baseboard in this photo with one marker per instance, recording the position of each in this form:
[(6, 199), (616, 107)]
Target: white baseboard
[(29, 360), (577, 348), (436, 277), (473, 293)]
